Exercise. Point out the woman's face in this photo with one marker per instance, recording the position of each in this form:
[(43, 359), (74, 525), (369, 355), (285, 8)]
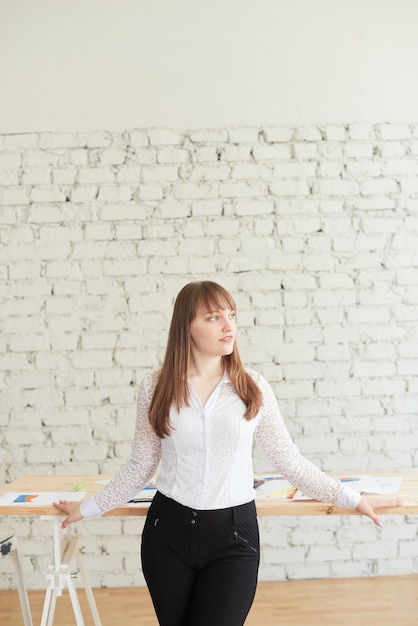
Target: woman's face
[(212, 333)]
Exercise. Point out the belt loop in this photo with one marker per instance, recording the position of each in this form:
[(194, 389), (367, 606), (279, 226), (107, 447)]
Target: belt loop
[(234, 515)]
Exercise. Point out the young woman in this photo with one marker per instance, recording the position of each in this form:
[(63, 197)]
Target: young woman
[(199, 415)]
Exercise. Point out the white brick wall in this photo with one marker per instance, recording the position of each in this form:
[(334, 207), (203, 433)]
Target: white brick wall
[(314, 230)]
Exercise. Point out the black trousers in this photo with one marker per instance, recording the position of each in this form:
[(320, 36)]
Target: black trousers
[(201, 567)]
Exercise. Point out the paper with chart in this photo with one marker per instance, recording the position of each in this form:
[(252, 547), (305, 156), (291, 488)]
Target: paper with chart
[(39, 498)]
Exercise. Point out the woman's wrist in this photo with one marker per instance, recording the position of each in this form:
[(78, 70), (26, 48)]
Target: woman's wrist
[(348, 498), (89, 508)]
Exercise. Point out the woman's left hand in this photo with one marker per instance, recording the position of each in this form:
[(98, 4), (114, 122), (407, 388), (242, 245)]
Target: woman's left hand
[(367, 507)]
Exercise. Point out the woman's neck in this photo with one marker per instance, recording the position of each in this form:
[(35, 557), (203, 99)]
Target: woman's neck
[(205, 376), (205, 369)]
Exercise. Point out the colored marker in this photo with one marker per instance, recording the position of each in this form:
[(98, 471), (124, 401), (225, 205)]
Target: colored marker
[(80, 486)]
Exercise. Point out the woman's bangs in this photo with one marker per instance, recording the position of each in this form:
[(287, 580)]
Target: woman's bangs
[(215, 301)]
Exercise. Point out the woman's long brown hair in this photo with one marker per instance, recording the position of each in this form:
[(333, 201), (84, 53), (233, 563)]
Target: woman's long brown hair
[(172, 385)]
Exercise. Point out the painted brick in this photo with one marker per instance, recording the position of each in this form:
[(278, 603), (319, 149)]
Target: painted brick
[(14, 195), (63, 176), (243, 135), (209, 136), (10, 159), (308, 133), (395, 131), (114, 194), (210, 172), (59, 233), (271, 152), (122, 211), (359, 150), (128, 174), (59, 214), (277, 134), (206, 154), (336, 187), (242, 190), (236, 153), (334, 132), (164, 137), (144, 156), (138, 138), (93, 139), (159, 172), (253, 207), (173, 155), (9, 178), (297, 169), (361, 132), (289, 187), (375, 203), (95, 175), (59, 140), (20, 141), (380, 186), (305, 150), (113, 156)]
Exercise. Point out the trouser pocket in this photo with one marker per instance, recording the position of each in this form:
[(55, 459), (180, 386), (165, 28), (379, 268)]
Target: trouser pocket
[(247, 535)]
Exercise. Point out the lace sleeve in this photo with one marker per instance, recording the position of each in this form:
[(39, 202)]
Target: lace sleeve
[(144, 459), (274, 439)]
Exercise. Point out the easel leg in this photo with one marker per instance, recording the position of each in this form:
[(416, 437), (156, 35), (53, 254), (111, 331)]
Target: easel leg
[(64, 553), (23, 596), (74, 601), (88, 590), (49, 604)]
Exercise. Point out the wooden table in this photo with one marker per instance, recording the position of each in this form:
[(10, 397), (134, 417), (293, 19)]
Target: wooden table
[(408, 493), (65, 544)]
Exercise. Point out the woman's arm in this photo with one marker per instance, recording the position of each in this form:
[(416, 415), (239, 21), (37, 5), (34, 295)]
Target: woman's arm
[(142, 464), (273, 437)]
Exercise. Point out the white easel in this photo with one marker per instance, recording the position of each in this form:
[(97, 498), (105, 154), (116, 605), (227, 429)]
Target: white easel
[(9, 546), (65, 552)]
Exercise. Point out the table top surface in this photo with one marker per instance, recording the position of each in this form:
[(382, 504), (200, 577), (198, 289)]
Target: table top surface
[(408, 494)]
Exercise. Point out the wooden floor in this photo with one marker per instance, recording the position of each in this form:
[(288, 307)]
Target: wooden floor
[(383, 601)]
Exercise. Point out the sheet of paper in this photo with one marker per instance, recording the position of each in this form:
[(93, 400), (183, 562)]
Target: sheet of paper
[(39, 498), (146, 494), (274, 487), (390, 484), (365, 484), (362, 484)]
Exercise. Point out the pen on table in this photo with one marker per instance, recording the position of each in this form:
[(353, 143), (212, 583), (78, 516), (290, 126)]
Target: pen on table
[(80, 486)]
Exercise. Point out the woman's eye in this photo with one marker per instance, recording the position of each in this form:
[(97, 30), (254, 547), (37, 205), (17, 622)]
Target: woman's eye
[(232, 316)]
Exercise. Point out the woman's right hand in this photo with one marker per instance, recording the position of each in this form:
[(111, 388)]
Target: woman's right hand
[(70, 509)]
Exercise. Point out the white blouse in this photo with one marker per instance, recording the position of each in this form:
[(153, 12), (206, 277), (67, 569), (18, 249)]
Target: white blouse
[(206, 462)]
